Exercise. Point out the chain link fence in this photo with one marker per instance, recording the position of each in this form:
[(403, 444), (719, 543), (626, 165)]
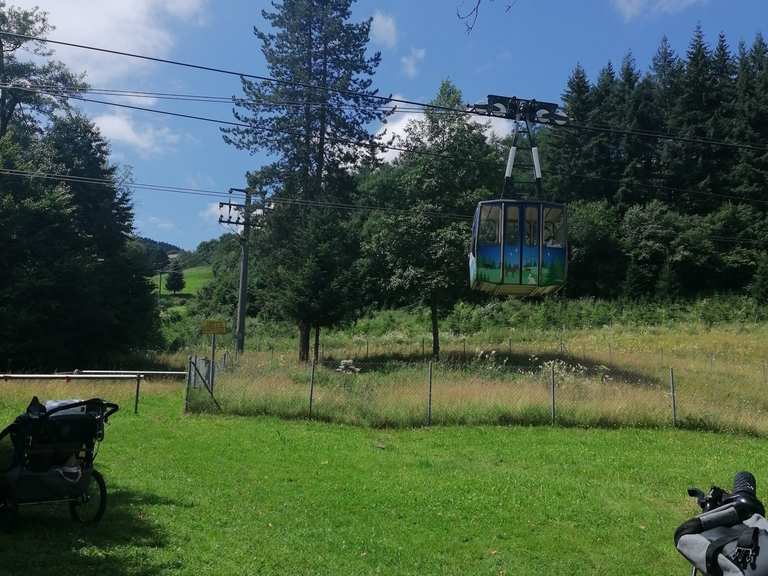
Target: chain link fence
[(395, 384)]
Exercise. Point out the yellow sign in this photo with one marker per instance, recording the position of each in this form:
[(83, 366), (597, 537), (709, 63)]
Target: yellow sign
[(214, 327)]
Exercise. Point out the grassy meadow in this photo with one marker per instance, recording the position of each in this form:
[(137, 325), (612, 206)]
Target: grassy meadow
[(210, 494), (606, 376)]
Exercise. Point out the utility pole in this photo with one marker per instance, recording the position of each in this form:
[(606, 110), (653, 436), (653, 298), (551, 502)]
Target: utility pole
[(243, 219)]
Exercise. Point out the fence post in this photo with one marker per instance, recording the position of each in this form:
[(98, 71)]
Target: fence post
[(674, 397), (423, 349), (552, 393), (429, 396), (610, 353), (136, 400), (312, 387), (189, 383), (765, 373)]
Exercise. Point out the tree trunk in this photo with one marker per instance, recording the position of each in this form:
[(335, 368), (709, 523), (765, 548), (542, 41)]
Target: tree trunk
[(320, 161), (317, 342), (304, 333), (435, 330)]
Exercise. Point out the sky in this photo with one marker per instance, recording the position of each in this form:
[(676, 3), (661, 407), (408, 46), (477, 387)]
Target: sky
[(527, 51)]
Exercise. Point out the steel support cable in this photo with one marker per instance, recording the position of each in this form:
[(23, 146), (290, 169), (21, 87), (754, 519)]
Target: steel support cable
[(372, 145), (349, 93), (222, 194), (292, 201), (372, 96)]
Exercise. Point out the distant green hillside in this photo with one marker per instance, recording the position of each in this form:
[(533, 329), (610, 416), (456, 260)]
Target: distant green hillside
[(195, 278)]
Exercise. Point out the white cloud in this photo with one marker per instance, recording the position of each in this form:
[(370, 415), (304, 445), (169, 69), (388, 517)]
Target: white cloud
[(160, 223), (384, 30), (142, 26), (633, 8), (412, 60), (147, 140), (397, 124), (212, 212)]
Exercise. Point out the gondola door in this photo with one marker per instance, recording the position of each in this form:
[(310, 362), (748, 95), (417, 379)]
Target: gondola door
[(512, 242), (530, 239), (489, 243)]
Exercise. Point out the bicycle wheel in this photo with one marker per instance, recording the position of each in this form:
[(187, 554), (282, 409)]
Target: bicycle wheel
[(7, 514), (90, 508)]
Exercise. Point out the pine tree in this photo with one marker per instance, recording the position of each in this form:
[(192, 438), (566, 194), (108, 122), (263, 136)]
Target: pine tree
[(693, 166), (318, 56), (175, 282), (566, 150)]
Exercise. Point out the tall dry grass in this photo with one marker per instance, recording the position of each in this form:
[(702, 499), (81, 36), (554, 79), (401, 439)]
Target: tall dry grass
[(603, 377)]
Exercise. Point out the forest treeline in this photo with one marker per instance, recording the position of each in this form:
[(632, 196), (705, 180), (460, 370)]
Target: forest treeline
[(650, 217), (658, 207), (74, 286)]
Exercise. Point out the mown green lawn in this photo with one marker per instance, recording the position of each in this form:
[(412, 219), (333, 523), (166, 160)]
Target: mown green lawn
[(197, 277), (194, 278), (230, 495)]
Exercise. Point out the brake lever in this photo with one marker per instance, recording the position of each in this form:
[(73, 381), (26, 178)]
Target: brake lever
[(701, 498)]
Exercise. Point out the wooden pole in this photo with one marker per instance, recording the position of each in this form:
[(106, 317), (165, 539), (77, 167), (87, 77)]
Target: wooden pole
[(138, 391), (429, 396), (213, 362), (674, 397), (312, 387), (552, 393), (189, 383)]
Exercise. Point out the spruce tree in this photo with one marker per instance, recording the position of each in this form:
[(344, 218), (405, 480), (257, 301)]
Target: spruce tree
[(174, 282), (318, 57), (566, 150)]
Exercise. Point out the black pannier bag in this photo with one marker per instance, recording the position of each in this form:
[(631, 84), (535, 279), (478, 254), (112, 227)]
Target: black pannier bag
[(730, 536)]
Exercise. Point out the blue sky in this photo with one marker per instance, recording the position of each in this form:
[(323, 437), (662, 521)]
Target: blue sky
[(527, 51)]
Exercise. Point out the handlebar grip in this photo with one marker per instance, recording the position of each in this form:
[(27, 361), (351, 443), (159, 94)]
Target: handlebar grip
[(744, 482)]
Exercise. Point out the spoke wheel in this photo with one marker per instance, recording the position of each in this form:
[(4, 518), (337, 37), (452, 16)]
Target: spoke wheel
[(7, 514), (90, 508)]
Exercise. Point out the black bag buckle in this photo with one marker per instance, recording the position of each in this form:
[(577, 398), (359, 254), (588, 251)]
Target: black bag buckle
[(747, 549)]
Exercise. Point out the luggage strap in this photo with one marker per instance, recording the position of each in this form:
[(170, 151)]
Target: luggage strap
[(747, 550)]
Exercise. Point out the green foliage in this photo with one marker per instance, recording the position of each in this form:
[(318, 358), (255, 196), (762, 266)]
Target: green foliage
[(73, 290), (174, 281), (415, 256), (38, 71), (760, 283), (307, 274)]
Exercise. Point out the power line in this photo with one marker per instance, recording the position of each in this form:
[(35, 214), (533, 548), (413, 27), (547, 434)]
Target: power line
[(392, 147), (221, 194), (228, 72), (299, 202), (407, 150), (665, 188), (64, 91), (374, 95), (369, 145), (662, 136)]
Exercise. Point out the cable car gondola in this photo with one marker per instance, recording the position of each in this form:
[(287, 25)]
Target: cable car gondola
[(519, 247)]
